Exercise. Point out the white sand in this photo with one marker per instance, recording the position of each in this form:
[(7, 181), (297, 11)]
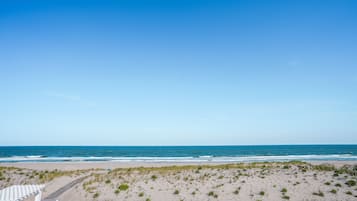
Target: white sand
[(192, 183)]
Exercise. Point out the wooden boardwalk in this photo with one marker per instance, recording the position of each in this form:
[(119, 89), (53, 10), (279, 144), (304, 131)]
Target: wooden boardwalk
[(54, 196)]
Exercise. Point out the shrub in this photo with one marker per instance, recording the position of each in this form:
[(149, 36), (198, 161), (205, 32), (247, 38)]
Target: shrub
[(213, 194), (285, 197), (154, 177), (321, 194), (176, 192), (141, 194), (96, 195), (284, 190), (325, 167), (262, 193), (333, 191), (351, 183), (123, 187), (338, 185)]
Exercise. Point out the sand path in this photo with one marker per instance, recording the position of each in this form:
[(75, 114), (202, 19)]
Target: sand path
[(54, 196)]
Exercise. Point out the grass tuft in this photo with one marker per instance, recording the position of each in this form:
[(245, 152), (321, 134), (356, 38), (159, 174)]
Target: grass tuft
[(351, 183), (285, 197), (96, 195), (123, 187), (153, 177), (333, 191), (321, 194)]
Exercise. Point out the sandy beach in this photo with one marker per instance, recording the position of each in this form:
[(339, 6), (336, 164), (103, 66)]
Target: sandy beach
[(322, 180)]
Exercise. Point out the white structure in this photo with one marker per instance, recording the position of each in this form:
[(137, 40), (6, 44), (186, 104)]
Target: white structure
[(21, 192)]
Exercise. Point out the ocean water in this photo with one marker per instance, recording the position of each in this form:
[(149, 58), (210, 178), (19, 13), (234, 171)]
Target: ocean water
[(178, 153)]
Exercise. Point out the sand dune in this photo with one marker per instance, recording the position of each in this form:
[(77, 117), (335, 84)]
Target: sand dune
[(149, 182)]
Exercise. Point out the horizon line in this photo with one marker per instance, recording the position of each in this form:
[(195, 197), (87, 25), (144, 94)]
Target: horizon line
[(227, 145)]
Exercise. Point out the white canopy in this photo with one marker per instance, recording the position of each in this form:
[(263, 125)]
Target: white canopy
[(21, 192)]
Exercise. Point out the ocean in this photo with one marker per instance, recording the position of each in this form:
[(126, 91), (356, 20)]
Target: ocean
[(177, 153)]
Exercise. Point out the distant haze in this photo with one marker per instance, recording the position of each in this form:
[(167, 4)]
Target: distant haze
[(178, 72)]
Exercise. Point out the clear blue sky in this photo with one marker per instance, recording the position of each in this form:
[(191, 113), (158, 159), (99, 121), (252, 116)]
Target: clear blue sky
[(183, 72)]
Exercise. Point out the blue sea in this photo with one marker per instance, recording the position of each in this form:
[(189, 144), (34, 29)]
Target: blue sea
[(177, 153)]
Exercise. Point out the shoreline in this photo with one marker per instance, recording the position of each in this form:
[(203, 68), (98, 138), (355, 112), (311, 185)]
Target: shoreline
[(85, 165)]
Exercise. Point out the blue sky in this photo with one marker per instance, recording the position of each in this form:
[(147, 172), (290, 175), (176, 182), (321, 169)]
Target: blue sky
[(178, 72)]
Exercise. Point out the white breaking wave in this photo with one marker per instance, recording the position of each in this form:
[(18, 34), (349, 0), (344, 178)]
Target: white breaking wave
[(35, 156), (181, 159)]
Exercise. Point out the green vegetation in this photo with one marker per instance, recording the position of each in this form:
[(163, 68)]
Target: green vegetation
[(213, 194), (96, 195), (285, 197), (123, 187), (107, 181), (141, 194), (351, 183), (349, 193), (176, 192), (327, 183), (338, 185), (321, 194), (333, 191), (243, 166), (324, 167), (153, 177), (262, 193), (284, 190)]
